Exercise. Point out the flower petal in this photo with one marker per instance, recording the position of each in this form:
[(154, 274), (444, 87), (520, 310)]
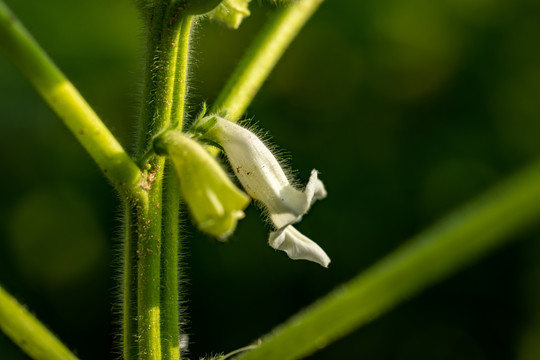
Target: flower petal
[(315, 188), (298, 246), (292, 204)]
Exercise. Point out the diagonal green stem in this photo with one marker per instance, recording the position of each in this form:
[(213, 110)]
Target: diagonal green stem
[(69, 105), (262, 56), (27, 332), (459, 239)]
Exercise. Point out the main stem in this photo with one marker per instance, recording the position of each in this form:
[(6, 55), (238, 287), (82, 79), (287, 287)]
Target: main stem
[(153, 268), (170, 341), (180, 88), (171, 242), (148, 269)]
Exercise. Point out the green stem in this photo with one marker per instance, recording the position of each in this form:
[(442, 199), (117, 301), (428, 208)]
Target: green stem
[(180, 88), (169, 300), (162, 53), (28, 333), (454, 242), (129, 288), (152, 52), (262, 56), (148, 269), (69, 105), (171, 208), (163, 50)]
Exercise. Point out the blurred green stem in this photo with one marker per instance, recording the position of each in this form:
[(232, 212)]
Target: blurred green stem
[(454, 242), (28, 333), (19, 46), (262, 56)]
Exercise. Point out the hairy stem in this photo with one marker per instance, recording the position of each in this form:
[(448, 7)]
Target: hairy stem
[(129, 286), (166, 42), (451, 244), (169, 300), (171, 207), (149, 268), (69, 105), (153, 43), (262, 56), (163, 36), (28, 333), (180, 87)]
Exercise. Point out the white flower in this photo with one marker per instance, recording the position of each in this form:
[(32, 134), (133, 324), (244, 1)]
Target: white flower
[(263, 179)]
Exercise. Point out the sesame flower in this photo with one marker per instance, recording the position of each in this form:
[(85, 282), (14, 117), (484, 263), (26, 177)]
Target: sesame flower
[(264, 180)]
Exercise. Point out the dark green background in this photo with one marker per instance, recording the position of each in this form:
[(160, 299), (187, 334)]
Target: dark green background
[(408, 108)]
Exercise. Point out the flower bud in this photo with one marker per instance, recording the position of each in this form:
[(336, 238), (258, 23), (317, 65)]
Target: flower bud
[(214, 201)]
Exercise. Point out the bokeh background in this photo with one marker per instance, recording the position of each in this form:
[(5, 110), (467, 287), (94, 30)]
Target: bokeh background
[(408, 108)]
